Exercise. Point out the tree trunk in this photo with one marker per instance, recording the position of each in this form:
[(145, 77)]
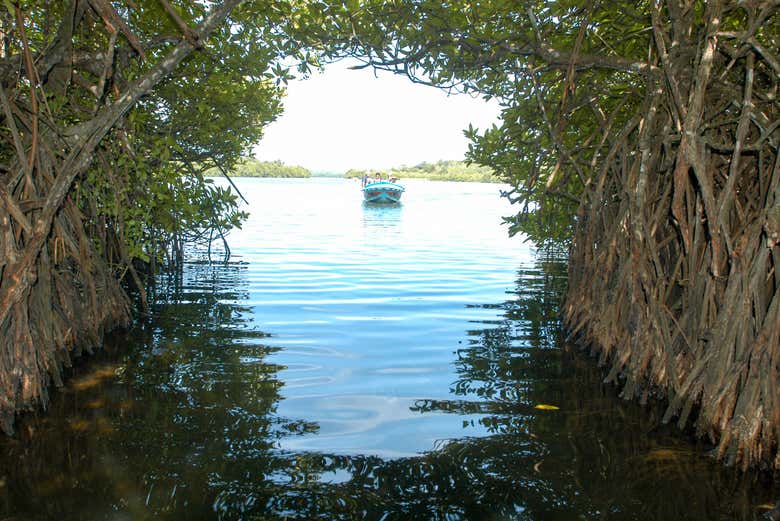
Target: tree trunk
[(674, 268), (58, 293)]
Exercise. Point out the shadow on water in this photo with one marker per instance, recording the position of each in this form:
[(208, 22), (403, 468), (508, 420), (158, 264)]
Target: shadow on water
[(177, 419), (375, 214)]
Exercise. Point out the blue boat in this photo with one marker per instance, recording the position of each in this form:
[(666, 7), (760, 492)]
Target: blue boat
[(382, 192)]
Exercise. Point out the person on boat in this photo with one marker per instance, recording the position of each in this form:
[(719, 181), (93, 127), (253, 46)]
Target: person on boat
[(378, 178), (393, 179), (364, 181)]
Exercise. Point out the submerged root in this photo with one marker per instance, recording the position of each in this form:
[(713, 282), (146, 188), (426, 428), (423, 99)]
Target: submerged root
[(55, 322), (674, 276), (709, 345)]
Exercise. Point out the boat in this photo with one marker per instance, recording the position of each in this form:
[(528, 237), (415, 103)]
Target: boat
[(382, 192)]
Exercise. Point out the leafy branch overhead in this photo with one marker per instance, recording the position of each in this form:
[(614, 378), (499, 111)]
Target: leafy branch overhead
[(644, 134), (112, 114)]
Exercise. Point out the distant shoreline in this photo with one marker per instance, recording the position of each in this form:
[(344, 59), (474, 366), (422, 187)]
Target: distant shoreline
[(450, 171), (250, 167), (342, 176), (457, 171), (430, 178)]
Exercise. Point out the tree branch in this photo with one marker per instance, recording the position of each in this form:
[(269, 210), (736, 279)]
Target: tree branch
[(18, 276)]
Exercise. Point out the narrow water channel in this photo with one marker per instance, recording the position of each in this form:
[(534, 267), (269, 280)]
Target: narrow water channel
[(357, 362)]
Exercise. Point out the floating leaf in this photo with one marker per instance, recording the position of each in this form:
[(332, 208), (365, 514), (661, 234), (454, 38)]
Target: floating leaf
[(545, 407)]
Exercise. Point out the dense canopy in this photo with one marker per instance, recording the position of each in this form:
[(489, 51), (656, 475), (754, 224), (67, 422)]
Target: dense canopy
[(643, 134), (646, 135)]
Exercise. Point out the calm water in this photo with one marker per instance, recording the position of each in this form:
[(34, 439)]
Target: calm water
[(355, 362)]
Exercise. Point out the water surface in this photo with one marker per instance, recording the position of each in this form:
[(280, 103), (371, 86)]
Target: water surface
[(359, 362)]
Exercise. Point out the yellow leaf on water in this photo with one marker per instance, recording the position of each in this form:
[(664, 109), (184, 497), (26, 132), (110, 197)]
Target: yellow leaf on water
[(545, 407)]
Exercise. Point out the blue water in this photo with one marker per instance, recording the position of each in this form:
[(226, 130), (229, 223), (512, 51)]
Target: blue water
[(369, 303), (359, 362)]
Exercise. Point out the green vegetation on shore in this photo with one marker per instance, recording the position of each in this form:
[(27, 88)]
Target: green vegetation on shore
[(249, 167), (644, 135), (439, 171)]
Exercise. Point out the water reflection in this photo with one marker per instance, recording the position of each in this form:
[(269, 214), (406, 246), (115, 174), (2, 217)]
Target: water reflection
[(381, 215), (179, 420), (162, 429)]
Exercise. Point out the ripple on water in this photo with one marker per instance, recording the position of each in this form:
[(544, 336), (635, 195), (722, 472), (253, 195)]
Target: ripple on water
[(358, 363)]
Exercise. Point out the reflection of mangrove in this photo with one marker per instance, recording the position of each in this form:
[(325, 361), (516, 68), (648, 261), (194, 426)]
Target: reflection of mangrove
[(511, 476), (186, 428), (509, 360), (573, 463), (593, 455), (151, 430)]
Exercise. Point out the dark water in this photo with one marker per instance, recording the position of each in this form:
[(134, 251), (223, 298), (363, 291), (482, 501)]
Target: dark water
[(354, 362)]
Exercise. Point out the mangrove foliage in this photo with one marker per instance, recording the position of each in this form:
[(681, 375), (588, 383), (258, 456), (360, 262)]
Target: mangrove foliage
[(103, 157), (643, 134)]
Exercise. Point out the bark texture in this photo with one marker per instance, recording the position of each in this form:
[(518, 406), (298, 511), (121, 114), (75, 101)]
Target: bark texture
[(674, 277), (60, 263)]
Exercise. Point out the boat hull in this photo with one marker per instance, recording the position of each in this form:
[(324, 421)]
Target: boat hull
[(383, 193)]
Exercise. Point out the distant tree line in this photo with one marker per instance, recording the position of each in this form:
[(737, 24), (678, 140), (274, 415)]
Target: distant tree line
[(249, 167), (449, 170)]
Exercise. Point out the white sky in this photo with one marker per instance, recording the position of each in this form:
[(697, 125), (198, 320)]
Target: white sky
[(344, 119)]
